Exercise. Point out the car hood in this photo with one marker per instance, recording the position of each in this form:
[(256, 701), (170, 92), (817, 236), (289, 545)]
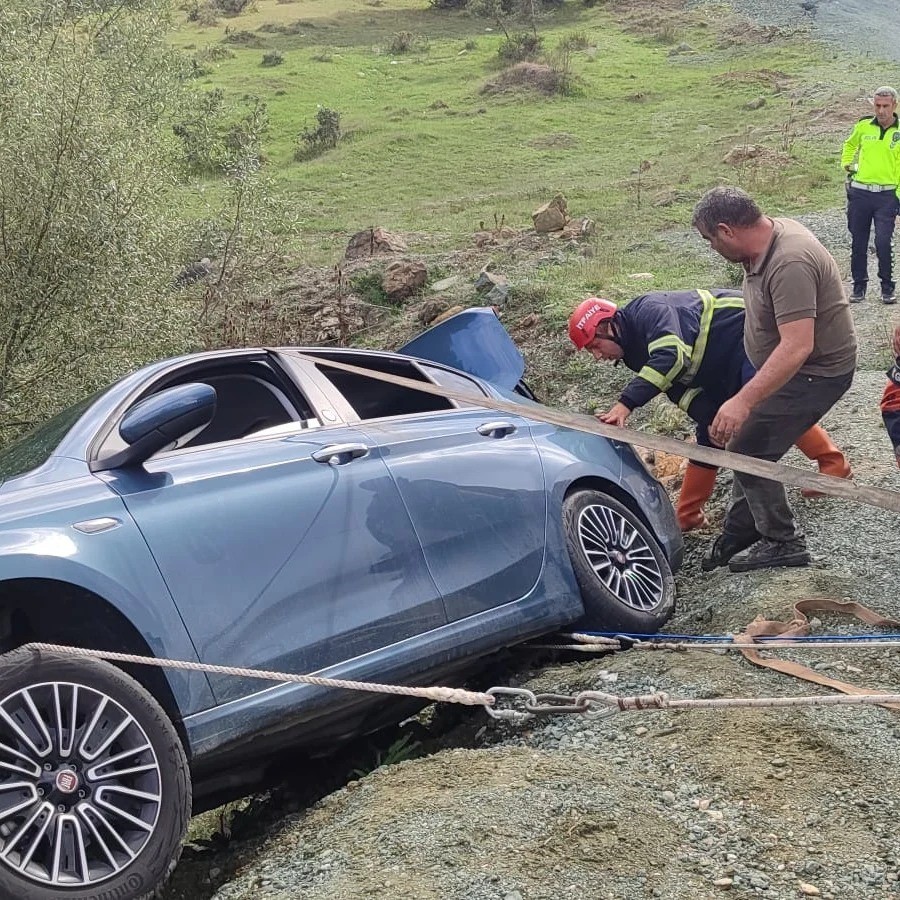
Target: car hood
[(473, 341)]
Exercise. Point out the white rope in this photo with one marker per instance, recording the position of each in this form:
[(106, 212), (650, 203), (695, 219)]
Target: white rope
[(440, 694), (590, 643), (663, 701)]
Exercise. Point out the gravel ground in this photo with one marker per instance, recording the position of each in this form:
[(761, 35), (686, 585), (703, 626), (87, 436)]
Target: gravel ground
[(864, 27)]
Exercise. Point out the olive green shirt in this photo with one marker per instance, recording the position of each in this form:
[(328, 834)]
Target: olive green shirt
[(797, 278)]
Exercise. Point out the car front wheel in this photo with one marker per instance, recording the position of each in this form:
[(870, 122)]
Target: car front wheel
[(94, 788), (626, 583)]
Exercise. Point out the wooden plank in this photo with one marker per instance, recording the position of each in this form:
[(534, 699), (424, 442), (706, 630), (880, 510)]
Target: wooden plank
[(801, 478)]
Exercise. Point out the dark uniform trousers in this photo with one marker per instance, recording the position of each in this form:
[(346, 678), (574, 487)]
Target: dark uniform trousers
[(759, 506), (864, 208)]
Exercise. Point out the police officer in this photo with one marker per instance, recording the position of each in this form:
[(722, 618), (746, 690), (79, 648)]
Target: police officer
[(871, 158), (688, 345)]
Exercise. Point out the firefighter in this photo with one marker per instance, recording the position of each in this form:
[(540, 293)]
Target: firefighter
[(688, 345)]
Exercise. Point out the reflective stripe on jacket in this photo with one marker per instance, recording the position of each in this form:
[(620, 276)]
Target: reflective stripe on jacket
[(682, 340), (879, 152)]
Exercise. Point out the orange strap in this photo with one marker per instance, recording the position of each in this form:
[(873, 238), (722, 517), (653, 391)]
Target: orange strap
[(799, 626)]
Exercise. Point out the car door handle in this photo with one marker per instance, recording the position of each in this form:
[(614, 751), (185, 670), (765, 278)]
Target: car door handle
[(340, 454), (496, 429)]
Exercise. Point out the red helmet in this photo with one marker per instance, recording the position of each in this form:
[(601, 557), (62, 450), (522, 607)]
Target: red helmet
[(587, 316)]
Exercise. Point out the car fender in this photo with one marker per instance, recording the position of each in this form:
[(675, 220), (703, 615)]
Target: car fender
[(104, 563)]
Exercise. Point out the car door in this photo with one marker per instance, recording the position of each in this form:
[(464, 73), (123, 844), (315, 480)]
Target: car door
[(289, 549), (471, 479)]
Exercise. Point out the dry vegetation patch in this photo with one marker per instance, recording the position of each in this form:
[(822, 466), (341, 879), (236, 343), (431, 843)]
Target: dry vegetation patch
[(527, 76)]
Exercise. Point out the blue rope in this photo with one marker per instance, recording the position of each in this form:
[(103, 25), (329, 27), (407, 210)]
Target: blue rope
[(701, 638)]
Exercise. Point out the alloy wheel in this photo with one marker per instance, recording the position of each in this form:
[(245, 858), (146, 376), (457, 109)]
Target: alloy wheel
[(80, 785), (620, 557)]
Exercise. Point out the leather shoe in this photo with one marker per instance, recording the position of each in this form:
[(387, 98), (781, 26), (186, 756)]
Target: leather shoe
[(723, 548), (766, 554)]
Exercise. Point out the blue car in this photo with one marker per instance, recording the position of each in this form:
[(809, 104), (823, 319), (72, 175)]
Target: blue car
[(262, 508)]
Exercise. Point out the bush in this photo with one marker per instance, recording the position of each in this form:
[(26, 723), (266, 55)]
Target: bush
[(326, 135), (448, 4), (519, 47), (272, 58), (575, 40)]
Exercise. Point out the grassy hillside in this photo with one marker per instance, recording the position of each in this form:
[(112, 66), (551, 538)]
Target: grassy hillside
[(427, 151), (658, 97)]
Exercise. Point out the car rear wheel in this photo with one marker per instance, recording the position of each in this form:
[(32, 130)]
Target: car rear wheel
[(626, 583), (94, 788)]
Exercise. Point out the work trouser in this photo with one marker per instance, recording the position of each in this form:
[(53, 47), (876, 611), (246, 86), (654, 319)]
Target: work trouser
[(759, 507), (864, 208)]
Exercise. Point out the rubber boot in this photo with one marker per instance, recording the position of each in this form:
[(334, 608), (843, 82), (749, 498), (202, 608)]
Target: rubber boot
[(696, 489), (817, 445)]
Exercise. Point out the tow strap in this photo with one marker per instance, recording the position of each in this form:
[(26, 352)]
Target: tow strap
[(799, 626)]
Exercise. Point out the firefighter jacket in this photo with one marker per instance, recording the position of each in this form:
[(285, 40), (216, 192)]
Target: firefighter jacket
[(878, 150), (686, 344)]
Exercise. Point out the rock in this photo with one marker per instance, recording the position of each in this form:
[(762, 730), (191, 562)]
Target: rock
[(724, 883), (403, 278), (446, 283), (552, 216), (192, 272), (641, 276), (430, 310), (808, 890), (487, 281), (452, 311), (737, 155), (758, 103), (372, 241), (529, 321), (578, 229)]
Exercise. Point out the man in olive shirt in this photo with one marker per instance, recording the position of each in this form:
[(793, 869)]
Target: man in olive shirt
[(800, 337)]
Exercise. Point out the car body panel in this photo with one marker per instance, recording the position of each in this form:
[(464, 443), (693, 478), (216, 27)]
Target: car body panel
[(335, 568), (465, 489), (38, 541), (473, 341), (272, 718)]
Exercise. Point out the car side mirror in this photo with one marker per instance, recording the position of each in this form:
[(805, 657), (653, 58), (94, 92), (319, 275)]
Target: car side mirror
[(161, 420)]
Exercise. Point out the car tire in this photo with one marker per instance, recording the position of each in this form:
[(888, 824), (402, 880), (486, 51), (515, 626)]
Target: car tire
[(95, 792), (625, 580)]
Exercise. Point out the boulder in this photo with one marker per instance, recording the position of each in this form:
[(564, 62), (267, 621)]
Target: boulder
[(430, 310), (737, 155), (372, 241), (578, 229), (551, 216), (446, 283), (493, 287), (403, 278)]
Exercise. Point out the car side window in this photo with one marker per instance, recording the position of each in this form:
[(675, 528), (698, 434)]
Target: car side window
[(454, 381), (252, 400), (371, 398), (245, 405)]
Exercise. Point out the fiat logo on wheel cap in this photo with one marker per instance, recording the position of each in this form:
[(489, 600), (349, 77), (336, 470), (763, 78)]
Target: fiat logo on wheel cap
[(66, 781)]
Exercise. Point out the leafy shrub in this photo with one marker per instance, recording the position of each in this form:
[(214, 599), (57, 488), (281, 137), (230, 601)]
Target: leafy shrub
[(368, 287), (272, 58), (211, 137), (575, 40), (402, 42), (448, 4), (470, 45), (326, 135), (519, 47), (234, 7)]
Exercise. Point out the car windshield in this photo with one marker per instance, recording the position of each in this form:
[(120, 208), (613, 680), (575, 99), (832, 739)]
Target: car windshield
[(36, 447)]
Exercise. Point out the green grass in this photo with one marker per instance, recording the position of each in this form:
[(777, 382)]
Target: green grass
[(427, 153)]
